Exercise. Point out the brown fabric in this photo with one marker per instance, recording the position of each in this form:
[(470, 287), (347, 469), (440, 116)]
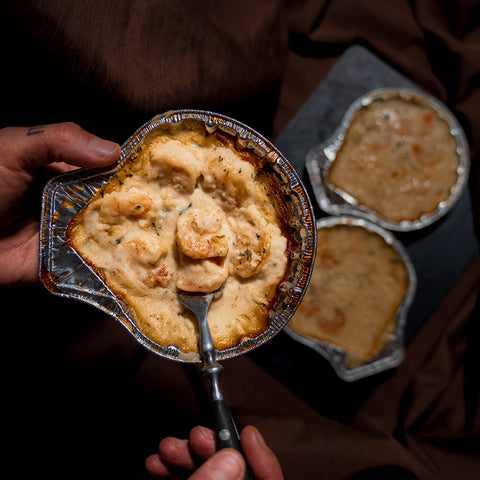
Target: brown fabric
[(99, 62), (84, 398)]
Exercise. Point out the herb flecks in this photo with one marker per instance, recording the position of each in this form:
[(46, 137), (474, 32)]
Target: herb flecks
[(156, 228), (181, 212)]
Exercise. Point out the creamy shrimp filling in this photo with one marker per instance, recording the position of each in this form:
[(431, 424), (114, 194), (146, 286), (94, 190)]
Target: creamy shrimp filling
[(189, 212)]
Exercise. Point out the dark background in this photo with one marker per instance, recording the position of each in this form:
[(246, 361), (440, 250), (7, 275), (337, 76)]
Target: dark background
[(81, 398)]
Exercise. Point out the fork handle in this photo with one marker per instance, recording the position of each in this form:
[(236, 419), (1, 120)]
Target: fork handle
[(225, 428), (226, 432)]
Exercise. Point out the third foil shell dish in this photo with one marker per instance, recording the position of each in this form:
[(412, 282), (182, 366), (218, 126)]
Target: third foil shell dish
[(356, 305)]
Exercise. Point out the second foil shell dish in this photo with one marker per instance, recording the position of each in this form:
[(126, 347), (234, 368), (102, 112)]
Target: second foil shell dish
[(356, 306), (65, 273), (399, 158)]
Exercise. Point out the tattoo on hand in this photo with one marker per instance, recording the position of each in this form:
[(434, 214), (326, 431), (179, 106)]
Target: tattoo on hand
[(35, 130)]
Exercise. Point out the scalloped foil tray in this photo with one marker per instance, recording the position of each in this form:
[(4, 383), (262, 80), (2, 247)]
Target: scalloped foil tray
[(336, 202), (392, 354), (64, 273)]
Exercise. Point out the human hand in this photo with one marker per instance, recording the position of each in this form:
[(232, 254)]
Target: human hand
[(176, 458), (27, 156)]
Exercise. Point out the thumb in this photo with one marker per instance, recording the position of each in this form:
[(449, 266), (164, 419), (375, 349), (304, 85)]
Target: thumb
[(226, 464), (30, 148)]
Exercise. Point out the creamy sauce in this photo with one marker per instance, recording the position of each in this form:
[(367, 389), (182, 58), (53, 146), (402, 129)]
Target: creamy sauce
[(189, 212), (358, 283), (398, 159)]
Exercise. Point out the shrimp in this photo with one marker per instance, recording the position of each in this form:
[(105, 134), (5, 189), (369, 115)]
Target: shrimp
[(130, 203), (251, 244), (229, 176), (176, 165), (141, 247), (205, 275), (200, 233)]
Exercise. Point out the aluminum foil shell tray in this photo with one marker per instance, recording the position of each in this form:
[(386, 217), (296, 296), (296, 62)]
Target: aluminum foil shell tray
[(334, 201), (392, 352), (64, 273)]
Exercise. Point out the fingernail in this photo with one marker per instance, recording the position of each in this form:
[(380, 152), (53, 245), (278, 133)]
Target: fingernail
[(206, 433), (225, 466), (178, 443), (259, 438), (102, 147)]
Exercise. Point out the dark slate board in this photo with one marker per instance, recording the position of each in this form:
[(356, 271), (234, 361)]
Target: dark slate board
[(440, 253)]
